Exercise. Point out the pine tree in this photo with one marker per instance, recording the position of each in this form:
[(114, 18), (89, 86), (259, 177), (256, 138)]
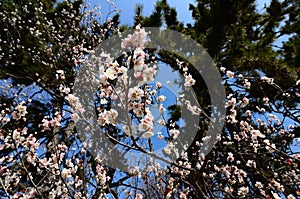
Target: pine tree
[(241, 38)]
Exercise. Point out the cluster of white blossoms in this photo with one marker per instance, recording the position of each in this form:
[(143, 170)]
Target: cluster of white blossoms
[(45, 159), (188, 78), (20, 111), (127, 96), (74, 102), (137, 40), (130, 94), (252, 131), (252, 135), (108, 117), (146, 125), (38, 160)]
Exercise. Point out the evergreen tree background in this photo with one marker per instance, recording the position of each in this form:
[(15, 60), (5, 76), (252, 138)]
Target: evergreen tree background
[(38, 38)]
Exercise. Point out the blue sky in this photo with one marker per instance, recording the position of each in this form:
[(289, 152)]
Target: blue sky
[(181, 6)]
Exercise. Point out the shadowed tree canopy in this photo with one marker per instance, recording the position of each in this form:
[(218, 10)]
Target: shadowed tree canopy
[(42, 45), (241, 38)]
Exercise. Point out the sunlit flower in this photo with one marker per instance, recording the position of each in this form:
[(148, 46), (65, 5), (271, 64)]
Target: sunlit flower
[(158, 85), (251, 163), (139, 196), (245, 102), (230, 157), (147, 134), (243, 191), (257, 133), (66, 173), (230, 74), (129, 131), (258, 185), (275, 195), (189, 81), (267, 79), (161, 98), (247, 84), (111, 73), (223, 69), (174, 133), (291, 197)]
